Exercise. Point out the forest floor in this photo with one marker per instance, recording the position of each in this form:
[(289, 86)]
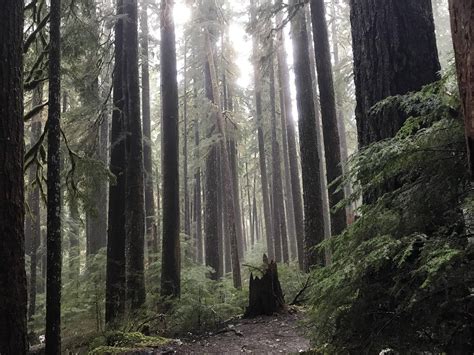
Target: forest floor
[(280, 333)]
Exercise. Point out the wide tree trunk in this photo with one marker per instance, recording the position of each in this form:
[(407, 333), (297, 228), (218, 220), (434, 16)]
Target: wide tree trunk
[(462, 17), (171, 252), (395, 53), (12, 250), (328, 113), (150, 215), (135, 199), (115, 276), (312, 196), (283, 70), (53, 245)]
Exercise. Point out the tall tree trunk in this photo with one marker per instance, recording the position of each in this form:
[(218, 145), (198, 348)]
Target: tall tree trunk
[(187, 216), (197, 192), (312, 196), (279, 216), (292, 148), (249, 203), (171, 254), (462, 15), (135, 199), (328, 113), (54, 251), (340, 110), (319, 125), (115, 277), (223, 228), (150, 225), (34, 215), (229, 197), (261, 142), (12, 249), (394, 53), (288, 194)]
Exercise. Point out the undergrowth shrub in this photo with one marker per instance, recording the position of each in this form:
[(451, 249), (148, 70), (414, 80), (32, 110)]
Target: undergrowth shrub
[(401, 276)]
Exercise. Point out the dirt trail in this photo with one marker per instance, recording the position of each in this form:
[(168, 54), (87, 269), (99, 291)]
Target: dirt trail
[(276, 334)]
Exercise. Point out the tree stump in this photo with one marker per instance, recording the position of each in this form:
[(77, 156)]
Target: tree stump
[(265, 294)]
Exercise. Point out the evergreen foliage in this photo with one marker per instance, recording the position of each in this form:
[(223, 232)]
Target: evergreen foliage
[(401, 275)]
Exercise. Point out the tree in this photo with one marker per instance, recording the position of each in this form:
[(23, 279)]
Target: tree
[(230, 215), (151, 237), (404, 61), (463, 37), (279, 216), (33, 225), (284, 76), (53, 245), (12, 249), (135, 200), (261, 140), (328, 113), (313, 210), (115, 277), (171, 258)]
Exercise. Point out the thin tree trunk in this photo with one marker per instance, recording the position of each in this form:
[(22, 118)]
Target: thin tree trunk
[(54, 251), (115, 276), (313, 204), (223, 228), (288, 194), (328, 113), (13, 293), (187, 219), (279, 216), (34, 215), (292, 150), (340, 110), (261, 143), (150, 214), (197, 191), (171, 255)]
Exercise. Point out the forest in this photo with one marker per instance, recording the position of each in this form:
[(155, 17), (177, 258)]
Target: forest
[(220, 176)]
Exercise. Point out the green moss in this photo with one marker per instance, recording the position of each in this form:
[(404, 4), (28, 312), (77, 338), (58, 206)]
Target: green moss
[(109, 350), (118, 342)]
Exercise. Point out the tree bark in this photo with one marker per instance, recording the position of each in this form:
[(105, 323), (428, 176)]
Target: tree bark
[(292, 149), (261, 142), (279, 216), (171, 254), (150, 214), (115, 276), (34, 215), (395, 53), (462, 17), (328, 114), (12, 249), (54, 251), (229, 197), (197, 192), (135, 199), (187, 219), (312, 195)]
